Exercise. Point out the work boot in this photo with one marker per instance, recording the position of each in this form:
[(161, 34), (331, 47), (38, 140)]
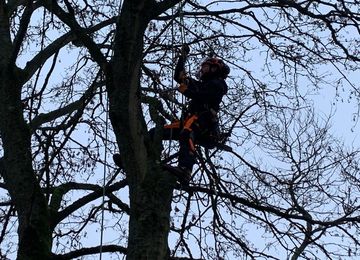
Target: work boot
[(185, 176), (182, 173), (117, 160)]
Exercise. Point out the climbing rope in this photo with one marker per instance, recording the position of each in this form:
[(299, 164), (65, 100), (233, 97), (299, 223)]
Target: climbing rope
[(172, 81), (182, 37), (104, 177), (105, 161), (181, 16)]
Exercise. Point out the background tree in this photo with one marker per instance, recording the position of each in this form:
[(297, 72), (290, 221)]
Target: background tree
[(287, 188)]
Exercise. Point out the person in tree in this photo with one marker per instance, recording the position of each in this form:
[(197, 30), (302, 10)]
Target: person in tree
[(199, 122)]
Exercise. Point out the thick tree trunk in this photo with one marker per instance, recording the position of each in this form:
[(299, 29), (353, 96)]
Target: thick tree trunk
[(20, 179), (150, 188)]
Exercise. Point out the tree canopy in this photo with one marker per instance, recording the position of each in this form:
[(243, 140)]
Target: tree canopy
[(82, 80)]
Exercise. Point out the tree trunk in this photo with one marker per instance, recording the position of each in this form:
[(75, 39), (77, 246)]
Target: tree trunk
[(150, 188), (20, 179), (25, 192)]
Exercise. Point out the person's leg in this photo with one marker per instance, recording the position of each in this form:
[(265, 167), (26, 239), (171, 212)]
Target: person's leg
[(169, 132), (187, 150), (187, 147)]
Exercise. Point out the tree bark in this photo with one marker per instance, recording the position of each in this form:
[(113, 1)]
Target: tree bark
[(150, 188), (20, 179)]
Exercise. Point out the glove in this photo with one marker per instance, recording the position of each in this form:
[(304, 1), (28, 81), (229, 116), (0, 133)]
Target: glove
[(182, 87), (183, 77), (185, 50)]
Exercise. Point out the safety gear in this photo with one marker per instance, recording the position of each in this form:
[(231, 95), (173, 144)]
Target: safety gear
[(199, 124), (183, 130), (185, 50), (213, 67)]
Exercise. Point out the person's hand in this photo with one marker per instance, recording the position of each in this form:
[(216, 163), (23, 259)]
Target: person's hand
[(182, 87), (185, 50), (182, 77)]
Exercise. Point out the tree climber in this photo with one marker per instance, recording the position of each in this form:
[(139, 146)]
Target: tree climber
[(199, 123)]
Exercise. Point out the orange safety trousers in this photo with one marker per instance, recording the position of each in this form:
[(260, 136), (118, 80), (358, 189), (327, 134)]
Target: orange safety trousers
[(184, 132)]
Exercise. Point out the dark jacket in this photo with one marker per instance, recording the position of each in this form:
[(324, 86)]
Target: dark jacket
[(205, 94)]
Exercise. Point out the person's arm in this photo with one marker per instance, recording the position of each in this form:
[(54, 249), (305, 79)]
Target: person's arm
[(180, 74)]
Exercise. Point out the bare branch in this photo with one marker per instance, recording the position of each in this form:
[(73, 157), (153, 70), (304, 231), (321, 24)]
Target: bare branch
[(91, 250), (24, 22), (97, 193), (33, 65), (81, 33)]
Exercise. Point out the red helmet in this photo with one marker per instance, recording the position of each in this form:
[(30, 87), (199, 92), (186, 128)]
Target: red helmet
[(217, 68)]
